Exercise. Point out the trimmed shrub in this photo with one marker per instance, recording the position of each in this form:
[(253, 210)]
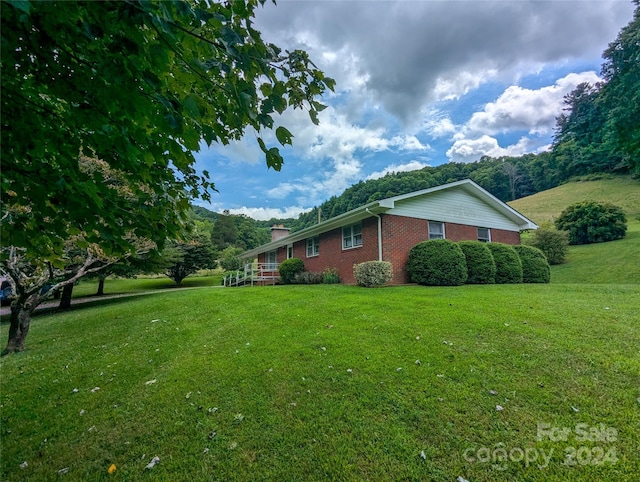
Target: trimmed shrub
[(289, 268), (508, 264), (481, 269), (438, 262), (308, 278), (535, 267), (553, 243), (372, 273), (330, 276), (592, 222)]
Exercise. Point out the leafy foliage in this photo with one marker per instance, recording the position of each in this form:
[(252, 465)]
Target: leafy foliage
[(372, 273), (289, 268), (183, 258), (481, 269), (437, 262), (308, 278), (535, 267), (552, 242), (229, 259), (330, 276), (140, 85), (592, 222), (508, 264)]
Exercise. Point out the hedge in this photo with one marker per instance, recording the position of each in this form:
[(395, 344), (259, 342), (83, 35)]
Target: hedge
[(508, 264), (481, 269), (535, 267), (438, 262)]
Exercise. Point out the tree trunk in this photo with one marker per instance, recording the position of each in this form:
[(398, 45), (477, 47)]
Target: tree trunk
[(65, 301), (19, 324), (100, 286)]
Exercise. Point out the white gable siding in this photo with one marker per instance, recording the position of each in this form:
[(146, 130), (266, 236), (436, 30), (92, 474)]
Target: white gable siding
[(454, 206)]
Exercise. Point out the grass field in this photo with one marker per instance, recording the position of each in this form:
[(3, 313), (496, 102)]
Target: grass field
[(332, 383), (612, 262)]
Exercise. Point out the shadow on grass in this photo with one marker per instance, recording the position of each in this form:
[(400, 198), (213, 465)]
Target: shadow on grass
[(91, 301)]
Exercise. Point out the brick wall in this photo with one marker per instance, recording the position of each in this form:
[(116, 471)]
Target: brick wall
[(333, 256), (399, 235)]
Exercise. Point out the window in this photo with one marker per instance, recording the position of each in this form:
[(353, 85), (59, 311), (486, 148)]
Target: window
[(289, 251), (313, 246), (271, 260), (352, 236), (436, 230), (484, 235)]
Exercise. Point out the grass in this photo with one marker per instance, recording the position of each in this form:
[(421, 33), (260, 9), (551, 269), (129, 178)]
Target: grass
[(322, 382), (544, 206), (116, 286), (612, 262)]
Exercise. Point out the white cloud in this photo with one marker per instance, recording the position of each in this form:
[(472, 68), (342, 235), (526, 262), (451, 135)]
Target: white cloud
[(517, 108), (454, 85), (410, 166), (437, 124), (469, 150), (264, 214)]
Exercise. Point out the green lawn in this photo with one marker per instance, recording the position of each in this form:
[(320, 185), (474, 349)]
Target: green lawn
[(612, 262), (142, 285), (331, 383)]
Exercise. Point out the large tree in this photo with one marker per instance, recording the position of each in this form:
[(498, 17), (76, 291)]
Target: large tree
[(141, 85), (138, 85)]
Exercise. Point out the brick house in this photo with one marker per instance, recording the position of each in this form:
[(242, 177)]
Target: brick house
[(386, 230)]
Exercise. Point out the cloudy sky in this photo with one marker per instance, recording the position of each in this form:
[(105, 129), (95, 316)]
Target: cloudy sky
[(418, 83)]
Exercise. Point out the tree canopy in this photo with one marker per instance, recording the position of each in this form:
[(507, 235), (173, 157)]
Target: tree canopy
[(141, 86)]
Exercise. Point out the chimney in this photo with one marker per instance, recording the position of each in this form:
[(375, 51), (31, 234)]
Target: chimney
[(279, 232)]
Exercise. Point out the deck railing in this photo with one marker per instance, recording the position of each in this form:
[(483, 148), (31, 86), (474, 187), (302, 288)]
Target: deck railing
[(253, 273)]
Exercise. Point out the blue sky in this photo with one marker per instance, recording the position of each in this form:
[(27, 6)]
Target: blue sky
[(418, 83)]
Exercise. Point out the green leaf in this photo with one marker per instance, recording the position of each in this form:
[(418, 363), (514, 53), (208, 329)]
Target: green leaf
[(284, 136), (274, 159)]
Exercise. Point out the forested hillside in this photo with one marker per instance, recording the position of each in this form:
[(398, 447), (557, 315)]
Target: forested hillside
[(597, 133)]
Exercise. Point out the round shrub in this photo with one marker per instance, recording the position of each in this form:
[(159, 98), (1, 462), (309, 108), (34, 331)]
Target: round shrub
[(535, 267), (481, 269), (553, 243), (372, 273), (289, 268), (508, 264), (592, 222), (438, 262)]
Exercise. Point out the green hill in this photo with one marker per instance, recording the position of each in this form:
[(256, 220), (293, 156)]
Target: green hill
[(612, 262)]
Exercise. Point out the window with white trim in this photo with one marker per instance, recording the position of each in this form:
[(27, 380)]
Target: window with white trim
[(289, 251), (313, 246), (352, 236), (436, 230), (484, 235)]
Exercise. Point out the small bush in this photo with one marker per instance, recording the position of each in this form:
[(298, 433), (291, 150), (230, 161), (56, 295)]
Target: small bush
[(508, 264), (553, 243), (481, 269), (289, 268), (535, 267), (330, 276), (372, 273), (308, 278), (592, 222), (439, 262)]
